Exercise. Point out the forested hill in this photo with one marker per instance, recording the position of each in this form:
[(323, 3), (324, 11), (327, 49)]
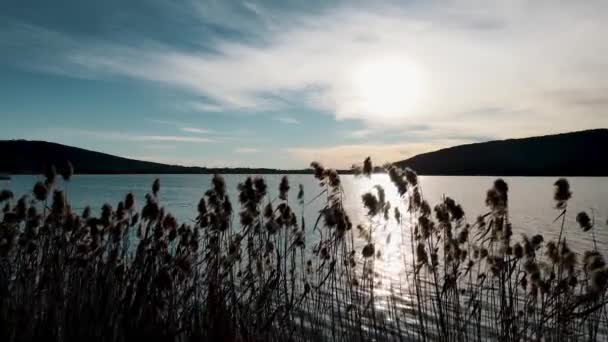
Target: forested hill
[(583, 153), (32, 157)]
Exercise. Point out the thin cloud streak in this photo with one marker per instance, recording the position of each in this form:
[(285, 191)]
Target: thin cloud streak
[(195, 130), (246, 150), (287, 120), (173, 138), (490, 69), (182, 126), (203, 107), (479, 73), (106, 135), (360, 133), (344, 156), (167, 160)]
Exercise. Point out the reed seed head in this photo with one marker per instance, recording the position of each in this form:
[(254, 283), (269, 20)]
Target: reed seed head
[(106, 214), (301, 194), (284, 188), (67, 171), (368, 250), (333, 177), (371, 203), (318, 170), (50, 175), (367, 167), (584, 221), (86, 212), (5, 195), (169, 222), (151, 210), (129, 201), (156, 187), (537, 240), (562, 193), (260, 186), (593, 260), (202, 207), (411, 176), (59, 205), (518, 251)]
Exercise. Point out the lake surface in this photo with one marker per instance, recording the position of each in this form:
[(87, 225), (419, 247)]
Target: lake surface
[(531, 208), (531, 204)]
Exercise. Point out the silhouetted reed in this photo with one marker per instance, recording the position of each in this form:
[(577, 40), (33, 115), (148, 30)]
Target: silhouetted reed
[(124, 273)]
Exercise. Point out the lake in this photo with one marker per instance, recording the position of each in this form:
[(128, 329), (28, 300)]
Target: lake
[(531, 208), (531, 204)]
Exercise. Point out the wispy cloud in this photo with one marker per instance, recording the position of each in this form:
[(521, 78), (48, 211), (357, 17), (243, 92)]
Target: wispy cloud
[(132, 136), (343, 156), (360, 133), (316, 59), (485, 69), (207, 162), (182, 126), (195, 130), (287, 120), (163, 159), (246, 150), (236, 135), (160, 147), (203, 107), (173, 138)]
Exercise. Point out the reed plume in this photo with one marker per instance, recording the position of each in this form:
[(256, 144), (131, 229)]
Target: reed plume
[(253, 270)]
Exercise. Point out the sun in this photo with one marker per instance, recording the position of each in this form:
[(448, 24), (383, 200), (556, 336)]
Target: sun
[(387, 87)]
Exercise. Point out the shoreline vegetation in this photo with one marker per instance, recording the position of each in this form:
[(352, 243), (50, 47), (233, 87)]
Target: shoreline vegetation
[(252, 269), (568, 154)]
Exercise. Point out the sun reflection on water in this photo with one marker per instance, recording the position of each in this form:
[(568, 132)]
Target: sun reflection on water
[(390, 237)]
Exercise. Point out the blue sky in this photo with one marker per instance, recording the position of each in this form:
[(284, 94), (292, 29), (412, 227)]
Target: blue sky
[(280, 83)]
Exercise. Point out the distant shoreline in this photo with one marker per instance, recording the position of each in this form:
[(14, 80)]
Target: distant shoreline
[(575, 154)]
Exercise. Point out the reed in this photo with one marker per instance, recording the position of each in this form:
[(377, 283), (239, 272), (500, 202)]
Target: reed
[(256, 271)]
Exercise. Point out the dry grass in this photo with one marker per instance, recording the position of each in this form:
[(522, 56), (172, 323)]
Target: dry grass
[(124, 274)]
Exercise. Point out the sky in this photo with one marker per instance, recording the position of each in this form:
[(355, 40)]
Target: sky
[(282, 83)]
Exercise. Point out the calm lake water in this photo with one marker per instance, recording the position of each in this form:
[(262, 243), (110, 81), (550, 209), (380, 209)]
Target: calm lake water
[(531, 209), (531, 204)]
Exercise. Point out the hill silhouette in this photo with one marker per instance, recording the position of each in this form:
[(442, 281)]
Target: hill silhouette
[(32, 157), (583, 153)]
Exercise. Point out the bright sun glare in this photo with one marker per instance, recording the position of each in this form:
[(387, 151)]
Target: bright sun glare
[(388, 87)]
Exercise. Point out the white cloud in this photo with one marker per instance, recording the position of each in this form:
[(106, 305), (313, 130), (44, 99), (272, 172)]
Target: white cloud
[(481, 64), (471, 55), (195, 130)]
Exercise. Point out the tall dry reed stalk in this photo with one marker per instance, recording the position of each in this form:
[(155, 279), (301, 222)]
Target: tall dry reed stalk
[(127, 274)]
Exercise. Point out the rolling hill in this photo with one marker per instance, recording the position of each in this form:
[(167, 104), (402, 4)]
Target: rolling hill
[(583, 153), (32, 157)]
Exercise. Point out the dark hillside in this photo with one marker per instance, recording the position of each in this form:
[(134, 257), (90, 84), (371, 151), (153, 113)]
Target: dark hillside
[(583, 153), (31, 157)]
